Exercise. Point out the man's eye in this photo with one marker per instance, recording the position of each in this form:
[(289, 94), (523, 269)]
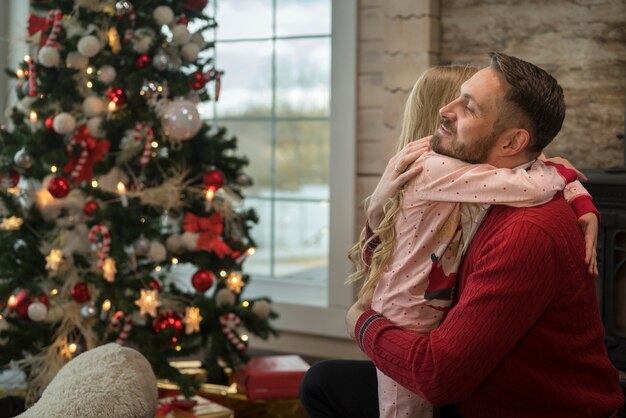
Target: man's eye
[(469, 109)]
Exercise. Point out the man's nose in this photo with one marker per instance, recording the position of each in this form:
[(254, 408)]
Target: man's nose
[(447, 112)]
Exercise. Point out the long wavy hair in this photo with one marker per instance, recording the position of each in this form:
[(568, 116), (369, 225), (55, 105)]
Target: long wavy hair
[(435, 88)]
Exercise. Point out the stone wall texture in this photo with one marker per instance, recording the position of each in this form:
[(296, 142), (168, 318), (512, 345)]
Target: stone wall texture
[(581, 42)]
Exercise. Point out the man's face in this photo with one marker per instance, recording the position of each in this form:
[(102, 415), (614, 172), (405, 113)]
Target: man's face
[(467, 123)]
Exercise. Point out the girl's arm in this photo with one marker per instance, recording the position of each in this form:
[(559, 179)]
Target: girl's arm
[(447, 179)]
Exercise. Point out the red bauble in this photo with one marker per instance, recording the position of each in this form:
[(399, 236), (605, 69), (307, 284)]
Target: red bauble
[(23, 301), (142, 60), (80, 293), (202, 280), (182, 20), (214, 179), (9, 179), (198, 80), (43, 298), (168, 321), (49, 122), (91, 206), (195, 5), (117, 96), (156, 285), (59, 187)]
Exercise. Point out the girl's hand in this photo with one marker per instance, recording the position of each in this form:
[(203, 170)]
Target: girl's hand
[(396, 174), (588, 224)]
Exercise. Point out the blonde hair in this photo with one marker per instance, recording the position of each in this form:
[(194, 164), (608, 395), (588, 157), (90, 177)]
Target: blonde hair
[(435, 88)]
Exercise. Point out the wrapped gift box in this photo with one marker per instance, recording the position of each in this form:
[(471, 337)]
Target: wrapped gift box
[(197, 407), (230, 397), (272, 377)]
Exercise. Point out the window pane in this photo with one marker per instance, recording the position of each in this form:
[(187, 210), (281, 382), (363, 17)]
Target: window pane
[(302, 158), (246, 85), (244, 19), (254, 140), (303, 77), (302, 17), (261, 262), (301, 231)]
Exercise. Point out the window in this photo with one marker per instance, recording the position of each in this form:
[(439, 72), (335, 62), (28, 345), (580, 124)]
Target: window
[(276, 97)]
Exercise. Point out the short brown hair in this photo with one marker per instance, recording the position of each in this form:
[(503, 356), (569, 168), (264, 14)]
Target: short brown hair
[(534, 93)]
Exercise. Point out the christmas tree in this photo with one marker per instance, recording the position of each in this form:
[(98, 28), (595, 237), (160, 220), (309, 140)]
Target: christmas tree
[(109, 180)]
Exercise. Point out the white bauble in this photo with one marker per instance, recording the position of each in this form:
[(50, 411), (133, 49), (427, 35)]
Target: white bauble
[(37, 311), (94, 127), (106, 74), (180, 34), (189, 240), (157, 252), (93, 106), (174, 243), (142, 40), (190, 52), (76, 60), (163, 15), (64, 123), (261, 308), (225, 297), (89, 46), (180, 120), (198, 39), (48, 56)]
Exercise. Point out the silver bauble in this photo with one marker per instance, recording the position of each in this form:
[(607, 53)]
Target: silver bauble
[(244, 180), (23, 159), (122, 7), (161, 61), (141, 246), (87, 311)]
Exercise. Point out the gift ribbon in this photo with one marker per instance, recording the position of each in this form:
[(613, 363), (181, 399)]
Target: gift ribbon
[(208, 229), (92, 150), (177, 405)]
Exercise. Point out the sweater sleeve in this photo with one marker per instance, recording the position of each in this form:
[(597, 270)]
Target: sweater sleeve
[(503, 296), (446, 179), (579, 199)]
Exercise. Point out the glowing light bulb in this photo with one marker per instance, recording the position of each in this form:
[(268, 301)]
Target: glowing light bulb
[(33, 116)]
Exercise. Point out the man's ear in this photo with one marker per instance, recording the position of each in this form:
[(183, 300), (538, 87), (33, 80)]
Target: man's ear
[(513, 142)]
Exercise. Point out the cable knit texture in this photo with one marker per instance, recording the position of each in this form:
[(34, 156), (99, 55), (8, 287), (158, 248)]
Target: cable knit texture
[(525, 338)]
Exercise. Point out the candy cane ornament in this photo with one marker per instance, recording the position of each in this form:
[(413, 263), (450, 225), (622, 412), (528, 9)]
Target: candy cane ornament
[(55, 17), (230, 321), (128, 325), (82, 159), (32, 78), (100, 238), (147, 149)]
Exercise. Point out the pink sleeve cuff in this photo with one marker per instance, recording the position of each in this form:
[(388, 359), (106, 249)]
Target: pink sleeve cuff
[(582, 205), (568, 174)]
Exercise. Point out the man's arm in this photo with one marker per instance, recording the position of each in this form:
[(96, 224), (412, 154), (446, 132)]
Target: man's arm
[(503, 297)]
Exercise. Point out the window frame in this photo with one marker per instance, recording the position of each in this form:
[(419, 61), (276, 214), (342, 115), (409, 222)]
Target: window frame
[(328, 319)]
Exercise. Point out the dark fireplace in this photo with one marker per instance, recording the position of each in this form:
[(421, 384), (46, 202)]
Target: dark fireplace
[(609, 194)]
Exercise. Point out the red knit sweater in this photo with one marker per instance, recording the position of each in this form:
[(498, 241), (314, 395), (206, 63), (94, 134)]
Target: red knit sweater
[(525, 338)]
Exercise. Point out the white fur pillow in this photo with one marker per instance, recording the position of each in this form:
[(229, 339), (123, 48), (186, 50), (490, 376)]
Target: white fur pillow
[(109, 381)]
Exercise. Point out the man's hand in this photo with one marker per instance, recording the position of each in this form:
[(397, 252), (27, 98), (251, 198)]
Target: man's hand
[(396, 174), (588, 224), (354, 313)]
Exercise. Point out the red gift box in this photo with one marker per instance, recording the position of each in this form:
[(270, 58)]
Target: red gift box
[(272, 377)]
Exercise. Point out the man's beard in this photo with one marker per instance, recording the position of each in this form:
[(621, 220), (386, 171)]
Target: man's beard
[(475, 153)]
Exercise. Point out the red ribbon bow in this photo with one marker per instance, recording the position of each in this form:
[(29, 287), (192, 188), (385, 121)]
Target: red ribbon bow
[(179, 405), (209, 229), (96, 152)]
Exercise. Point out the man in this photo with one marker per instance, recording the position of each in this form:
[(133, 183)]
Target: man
[(524, 338)]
